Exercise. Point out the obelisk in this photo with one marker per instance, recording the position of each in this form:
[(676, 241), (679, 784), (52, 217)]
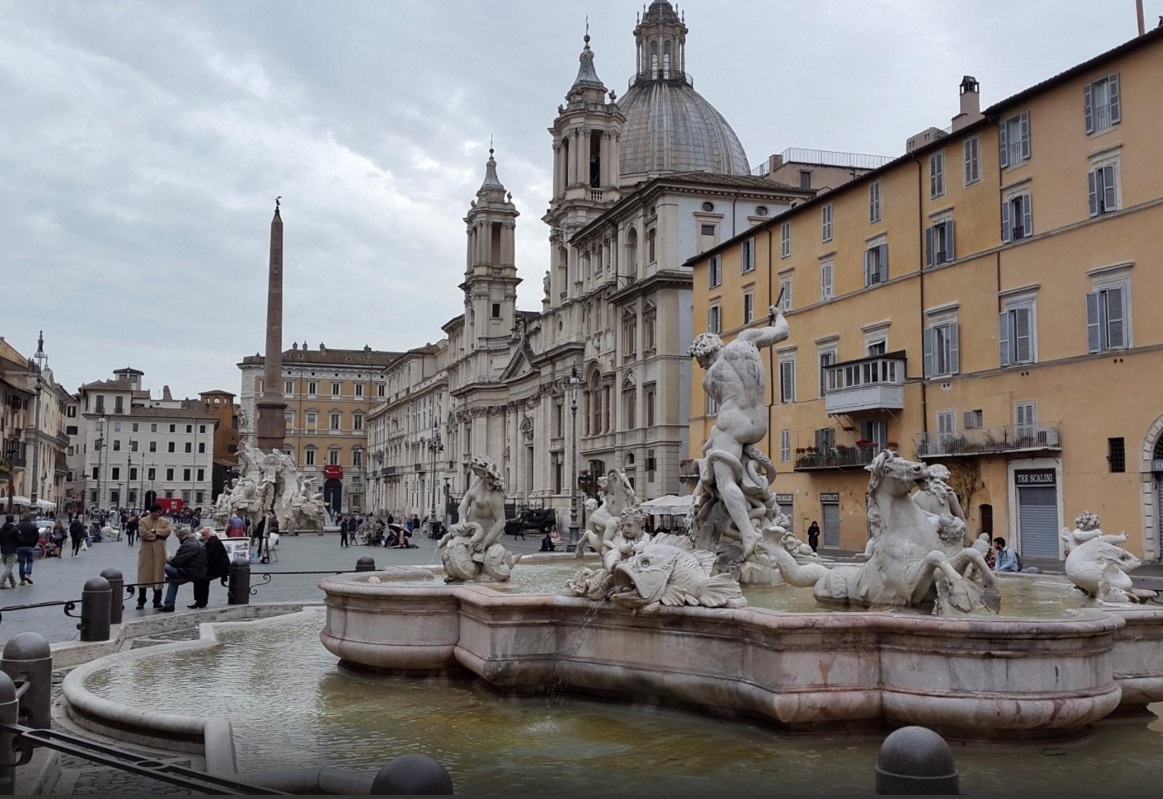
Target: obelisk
[(272, 424)]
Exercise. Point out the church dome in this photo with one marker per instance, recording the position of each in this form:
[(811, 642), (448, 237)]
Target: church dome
[(669, 126)]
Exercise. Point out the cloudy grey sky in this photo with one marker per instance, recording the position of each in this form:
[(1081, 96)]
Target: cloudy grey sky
[(143, 144)]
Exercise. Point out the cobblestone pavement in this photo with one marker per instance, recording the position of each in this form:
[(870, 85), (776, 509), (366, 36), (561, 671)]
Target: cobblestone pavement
[(63, 578)]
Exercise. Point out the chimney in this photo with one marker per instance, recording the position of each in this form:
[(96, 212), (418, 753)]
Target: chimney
[(970, 103), (166, 395)]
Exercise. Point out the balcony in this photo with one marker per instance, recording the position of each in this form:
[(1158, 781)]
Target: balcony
[(840, 456), (866, 384), (990, 441)]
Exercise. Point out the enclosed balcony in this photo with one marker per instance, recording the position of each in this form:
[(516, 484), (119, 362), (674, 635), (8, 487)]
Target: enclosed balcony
[(990, 441), (867, 384)]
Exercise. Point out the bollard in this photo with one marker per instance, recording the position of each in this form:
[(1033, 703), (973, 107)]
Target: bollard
[(916, 760), (9, 751), (411, 775), (96, 597), (28, 657), (116, 594), (366, 564), (238, 591)]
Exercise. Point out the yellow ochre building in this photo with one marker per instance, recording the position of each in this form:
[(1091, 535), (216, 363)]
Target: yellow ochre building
[(983, 301)]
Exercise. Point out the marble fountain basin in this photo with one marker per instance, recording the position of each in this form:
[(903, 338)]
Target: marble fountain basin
[(973, 678)]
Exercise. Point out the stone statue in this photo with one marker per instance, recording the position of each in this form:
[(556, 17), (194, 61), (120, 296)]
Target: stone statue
[(1098, 566), (641, 573), (733, 504), (916, 558), (471, 549), (616, 494), (271, 484), (936, 497), (545, 284)]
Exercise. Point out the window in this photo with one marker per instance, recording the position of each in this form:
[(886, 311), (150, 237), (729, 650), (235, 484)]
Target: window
[(805, 179), (826, 223), (827, 358), (1014, 140), (312, 419), (651, 392), (173, 428), (876, 265), (974, 420), (649, 320), (1107, 324), (153, 427), (199, 497), (629, 403), (707, 230), (71, 412), (335, 418), (115, 473), (150, 474), (972, 147), (941, 356), (117, 427), (936, 175), (312, 388), (1016, 333), (171, 447), (495, 311), (1101, 105), (201, 447), (288, 387), (309, 456), (169, 475), (748, 307), (939, 243), (185, 475), (357, 421), (189, 428), (785, 302), (116, 445), (651, 238), (189, 447), (1025, 420), (747, 256), (946, 427), (381, 390), (784, 446), (153, 446), (119, 404), (201, 428), (357, 458), (714, 319), (132, 446), (787, 379), (1017, 217), (826, 291), (95, 468), (134, 427), (1116, 454), (335, 387), (333, 457), (874, 202), (1103, 187), (785, 240), (875, 431), (132, 472), (715, 273), (712, 406), (826, 439)]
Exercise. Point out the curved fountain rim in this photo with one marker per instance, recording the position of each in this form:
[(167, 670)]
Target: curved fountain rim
[(77, 695), (1071, 621)]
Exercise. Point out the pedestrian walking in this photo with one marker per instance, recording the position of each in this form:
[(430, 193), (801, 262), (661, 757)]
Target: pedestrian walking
[(131, 528), (9, 543), (26, 552), (343, 528), (77, 535)]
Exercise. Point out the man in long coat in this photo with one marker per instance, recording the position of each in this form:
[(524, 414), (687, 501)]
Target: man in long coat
[(154, 529)]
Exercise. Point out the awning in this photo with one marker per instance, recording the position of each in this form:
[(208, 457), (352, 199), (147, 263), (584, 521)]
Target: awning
[(45, 504), (18, 500), (669, 505)]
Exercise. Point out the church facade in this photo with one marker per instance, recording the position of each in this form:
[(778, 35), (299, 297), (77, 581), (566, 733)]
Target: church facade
[(598, 377)]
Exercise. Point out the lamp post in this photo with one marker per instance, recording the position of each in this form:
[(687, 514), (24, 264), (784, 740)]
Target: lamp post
[(39, 358), (573, 534), (434, 446), (129, 474), (100, 445)]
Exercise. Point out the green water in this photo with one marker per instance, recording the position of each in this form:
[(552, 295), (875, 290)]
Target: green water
[(292, 706)]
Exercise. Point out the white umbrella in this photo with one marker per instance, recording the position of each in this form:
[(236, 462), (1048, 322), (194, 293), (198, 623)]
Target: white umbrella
[(17, 500), (45, 504), (669, 505)]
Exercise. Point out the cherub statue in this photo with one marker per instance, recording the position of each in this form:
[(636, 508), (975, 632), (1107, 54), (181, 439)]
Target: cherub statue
[(472, 549)]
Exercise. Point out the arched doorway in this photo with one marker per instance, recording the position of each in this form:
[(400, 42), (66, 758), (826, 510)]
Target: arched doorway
[(1151, 475)]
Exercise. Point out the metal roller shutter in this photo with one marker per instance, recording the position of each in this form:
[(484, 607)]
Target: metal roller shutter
[(1038, 522), (831, 524)]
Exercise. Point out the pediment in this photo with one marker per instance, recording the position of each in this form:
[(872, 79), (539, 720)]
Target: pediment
[(519, 364)]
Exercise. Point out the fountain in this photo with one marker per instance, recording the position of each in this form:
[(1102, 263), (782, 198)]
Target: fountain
[(272, 484)]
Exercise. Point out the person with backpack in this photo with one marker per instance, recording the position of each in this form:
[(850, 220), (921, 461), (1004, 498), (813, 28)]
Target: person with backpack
[(1007, 559)]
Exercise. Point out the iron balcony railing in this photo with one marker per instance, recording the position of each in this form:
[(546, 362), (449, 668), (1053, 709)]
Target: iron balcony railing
[(989, 440), (840, 456)]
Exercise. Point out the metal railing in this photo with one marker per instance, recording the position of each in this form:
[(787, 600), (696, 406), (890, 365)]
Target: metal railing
[(803, 155), (840, 456), (989, 440)]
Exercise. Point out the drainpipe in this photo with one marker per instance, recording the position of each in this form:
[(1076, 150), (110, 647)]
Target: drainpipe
[(770, 350), (921, 309), (734, 232)]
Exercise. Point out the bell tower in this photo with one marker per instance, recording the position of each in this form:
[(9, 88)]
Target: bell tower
[(586, 137), (490, 278)]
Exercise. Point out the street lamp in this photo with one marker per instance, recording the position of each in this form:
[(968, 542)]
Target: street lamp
[(40, 358), (129, 474), (434, 446), (100, 445), (573, 534)]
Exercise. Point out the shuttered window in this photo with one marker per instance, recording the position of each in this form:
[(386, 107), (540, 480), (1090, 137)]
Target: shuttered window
[(972, 149), (1014, 139), (1101, 104), (876, 265), (1016, 335), (936, 175), (941, 350), (1103, 189), (1106, 319), (826, 291), (787, 380), (1017, 218), (939, 241), (785, 240)]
